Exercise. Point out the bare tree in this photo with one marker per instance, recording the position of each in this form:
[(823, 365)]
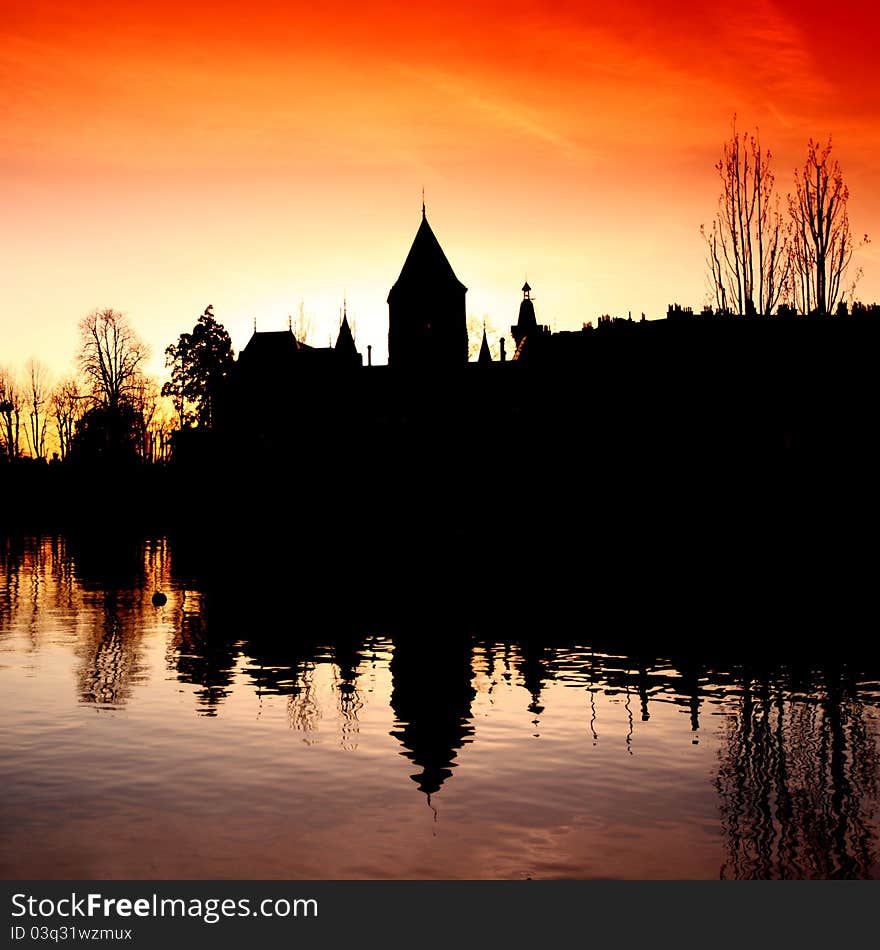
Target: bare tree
[(67, 407), (822, 242), (110, 356), (10, 414), (748, 255), (144, 399), (160, 433), (38, 397), (303, 327)]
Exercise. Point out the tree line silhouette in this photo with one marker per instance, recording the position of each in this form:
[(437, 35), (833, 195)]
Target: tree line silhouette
[(112, 410)]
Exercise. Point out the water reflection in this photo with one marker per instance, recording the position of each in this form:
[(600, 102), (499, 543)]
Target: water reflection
[(798, 779), (348, 657), (431, 697), (534, 731), (200, 658)]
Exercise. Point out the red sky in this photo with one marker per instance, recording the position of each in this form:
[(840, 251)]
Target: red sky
[(157, 157)]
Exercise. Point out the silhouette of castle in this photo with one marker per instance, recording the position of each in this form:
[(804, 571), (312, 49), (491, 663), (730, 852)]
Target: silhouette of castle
[(632, 383), (427, 327)]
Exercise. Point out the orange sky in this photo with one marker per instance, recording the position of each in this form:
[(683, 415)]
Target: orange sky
[(157, 157)]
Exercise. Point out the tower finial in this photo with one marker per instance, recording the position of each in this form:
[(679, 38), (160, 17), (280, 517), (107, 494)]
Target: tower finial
[(255, 324), (423, 201), (290, 322)]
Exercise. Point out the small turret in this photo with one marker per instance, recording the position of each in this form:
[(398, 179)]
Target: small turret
[(345, 347), (526, 323), (485, 353)]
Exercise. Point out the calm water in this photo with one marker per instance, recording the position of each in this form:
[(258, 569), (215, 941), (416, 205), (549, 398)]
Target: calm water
[(205, 739)]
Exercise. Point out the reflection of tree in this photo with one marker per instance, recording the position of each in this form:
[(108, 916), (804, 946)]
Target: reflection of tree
[(204, 655), (12, 556), (109, 654), (109, 569), (63, 578), (303, 706), (798, 783), (284, 664)]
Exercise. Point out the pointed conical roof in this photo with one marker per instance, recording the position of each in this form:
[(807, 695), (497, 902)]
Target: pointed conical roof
[(426, 264), (345, 340), (485, 353)]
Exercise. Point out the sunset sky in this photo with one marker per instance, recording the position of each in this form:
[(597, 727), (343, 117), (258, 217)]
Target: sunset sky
[(158, 157)]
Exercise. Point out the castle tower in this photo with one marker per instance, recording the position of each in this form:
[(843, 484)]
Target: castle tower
[(427, 324), (530, 337), (527, 323)]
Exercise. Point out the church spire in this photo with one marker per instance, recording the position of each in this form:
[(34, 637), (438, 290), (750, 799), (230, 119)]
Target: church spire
[(345, 344), (485, 353)]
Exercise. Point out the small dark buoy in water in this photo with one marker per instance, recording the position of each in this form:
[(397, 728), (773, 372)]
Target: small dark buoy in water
[(159, 599)]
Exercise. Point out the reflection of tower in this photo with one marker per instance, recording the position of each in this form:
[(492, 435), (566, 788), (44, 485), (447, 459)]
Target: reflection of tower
[(642, 684), (690, 686), (427, 324), (534, 670), (349, 702), (431, 699)]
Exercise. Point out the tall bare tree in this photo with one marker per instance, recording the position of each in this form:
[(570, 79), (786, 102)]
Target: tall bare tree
[(10, 414), (159, 435), (303, 327), (110, 357), (748, 257), (144, 401), (38, 408), (67, 407), (822, 239)]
